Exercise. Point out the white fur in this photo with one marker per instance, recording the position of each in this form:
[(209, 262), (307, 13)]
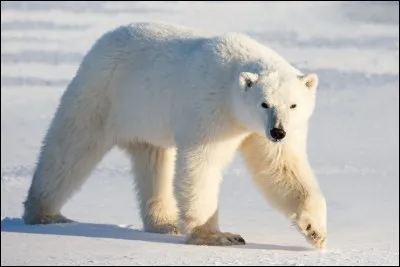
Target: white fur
[(171, 97)]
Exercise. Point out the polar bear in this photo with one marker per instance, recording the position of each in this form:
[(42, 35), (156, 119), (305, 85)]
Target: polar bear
[(180, 103)]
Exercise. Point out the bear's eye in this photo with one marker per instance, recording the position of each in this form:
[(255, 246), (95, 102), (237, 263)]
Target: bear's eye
[(249, 83), (293, 106), (264, 105)]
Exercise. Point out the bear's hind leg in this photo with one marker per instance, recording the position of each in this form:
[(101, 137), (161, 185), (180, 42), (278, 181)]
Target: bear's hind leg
[(153, 169), (76, 141)]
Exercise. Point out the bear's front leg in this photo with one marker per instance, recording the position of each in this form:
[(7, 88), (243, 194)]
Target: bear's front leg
[(284, 175), (198, 178)]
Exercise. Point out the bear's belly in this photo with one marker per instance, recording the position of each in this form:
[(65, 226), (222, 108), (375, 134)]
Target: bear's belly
[(142, 119), (150, 131)]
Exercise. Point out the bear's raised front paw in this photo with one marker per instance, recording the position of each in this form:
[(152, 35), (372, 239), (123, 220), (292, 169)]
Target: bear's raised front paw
[(216, 239), (313, 236)]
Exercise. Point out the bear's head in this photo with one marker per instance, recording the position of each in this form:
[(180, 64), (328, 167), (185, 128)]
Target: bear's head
[(274, 103)]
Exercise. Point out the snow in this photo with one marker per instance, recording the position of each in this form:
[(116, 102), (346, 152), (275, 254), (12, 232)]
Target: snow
[(353, 142)]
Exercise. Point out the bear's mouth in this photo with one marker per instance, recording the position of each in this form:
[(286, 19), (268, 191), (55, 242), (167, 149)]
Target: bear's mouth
[(276, 141)]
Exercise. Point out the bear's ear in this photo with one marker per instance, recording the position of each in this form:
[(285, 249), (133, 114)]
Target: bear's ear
[(247, 79), (310, 81)]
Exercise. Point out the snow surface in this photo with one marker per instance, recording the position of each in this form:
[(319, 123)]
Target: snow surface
[(353, 142)]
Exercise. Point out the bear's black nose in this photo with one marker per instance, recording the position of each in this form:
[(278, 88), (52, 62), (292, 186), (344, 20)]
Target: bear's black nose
[(277, 133)]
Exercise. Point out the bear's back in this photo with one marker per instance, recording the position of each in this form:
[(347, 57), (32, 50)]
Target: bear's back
[(163, 31), (183, 41)]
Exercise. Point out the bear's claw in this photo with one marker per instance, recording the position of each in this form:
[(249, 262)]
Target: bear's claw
[(48, 219), (216, 239), (163, 229)]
